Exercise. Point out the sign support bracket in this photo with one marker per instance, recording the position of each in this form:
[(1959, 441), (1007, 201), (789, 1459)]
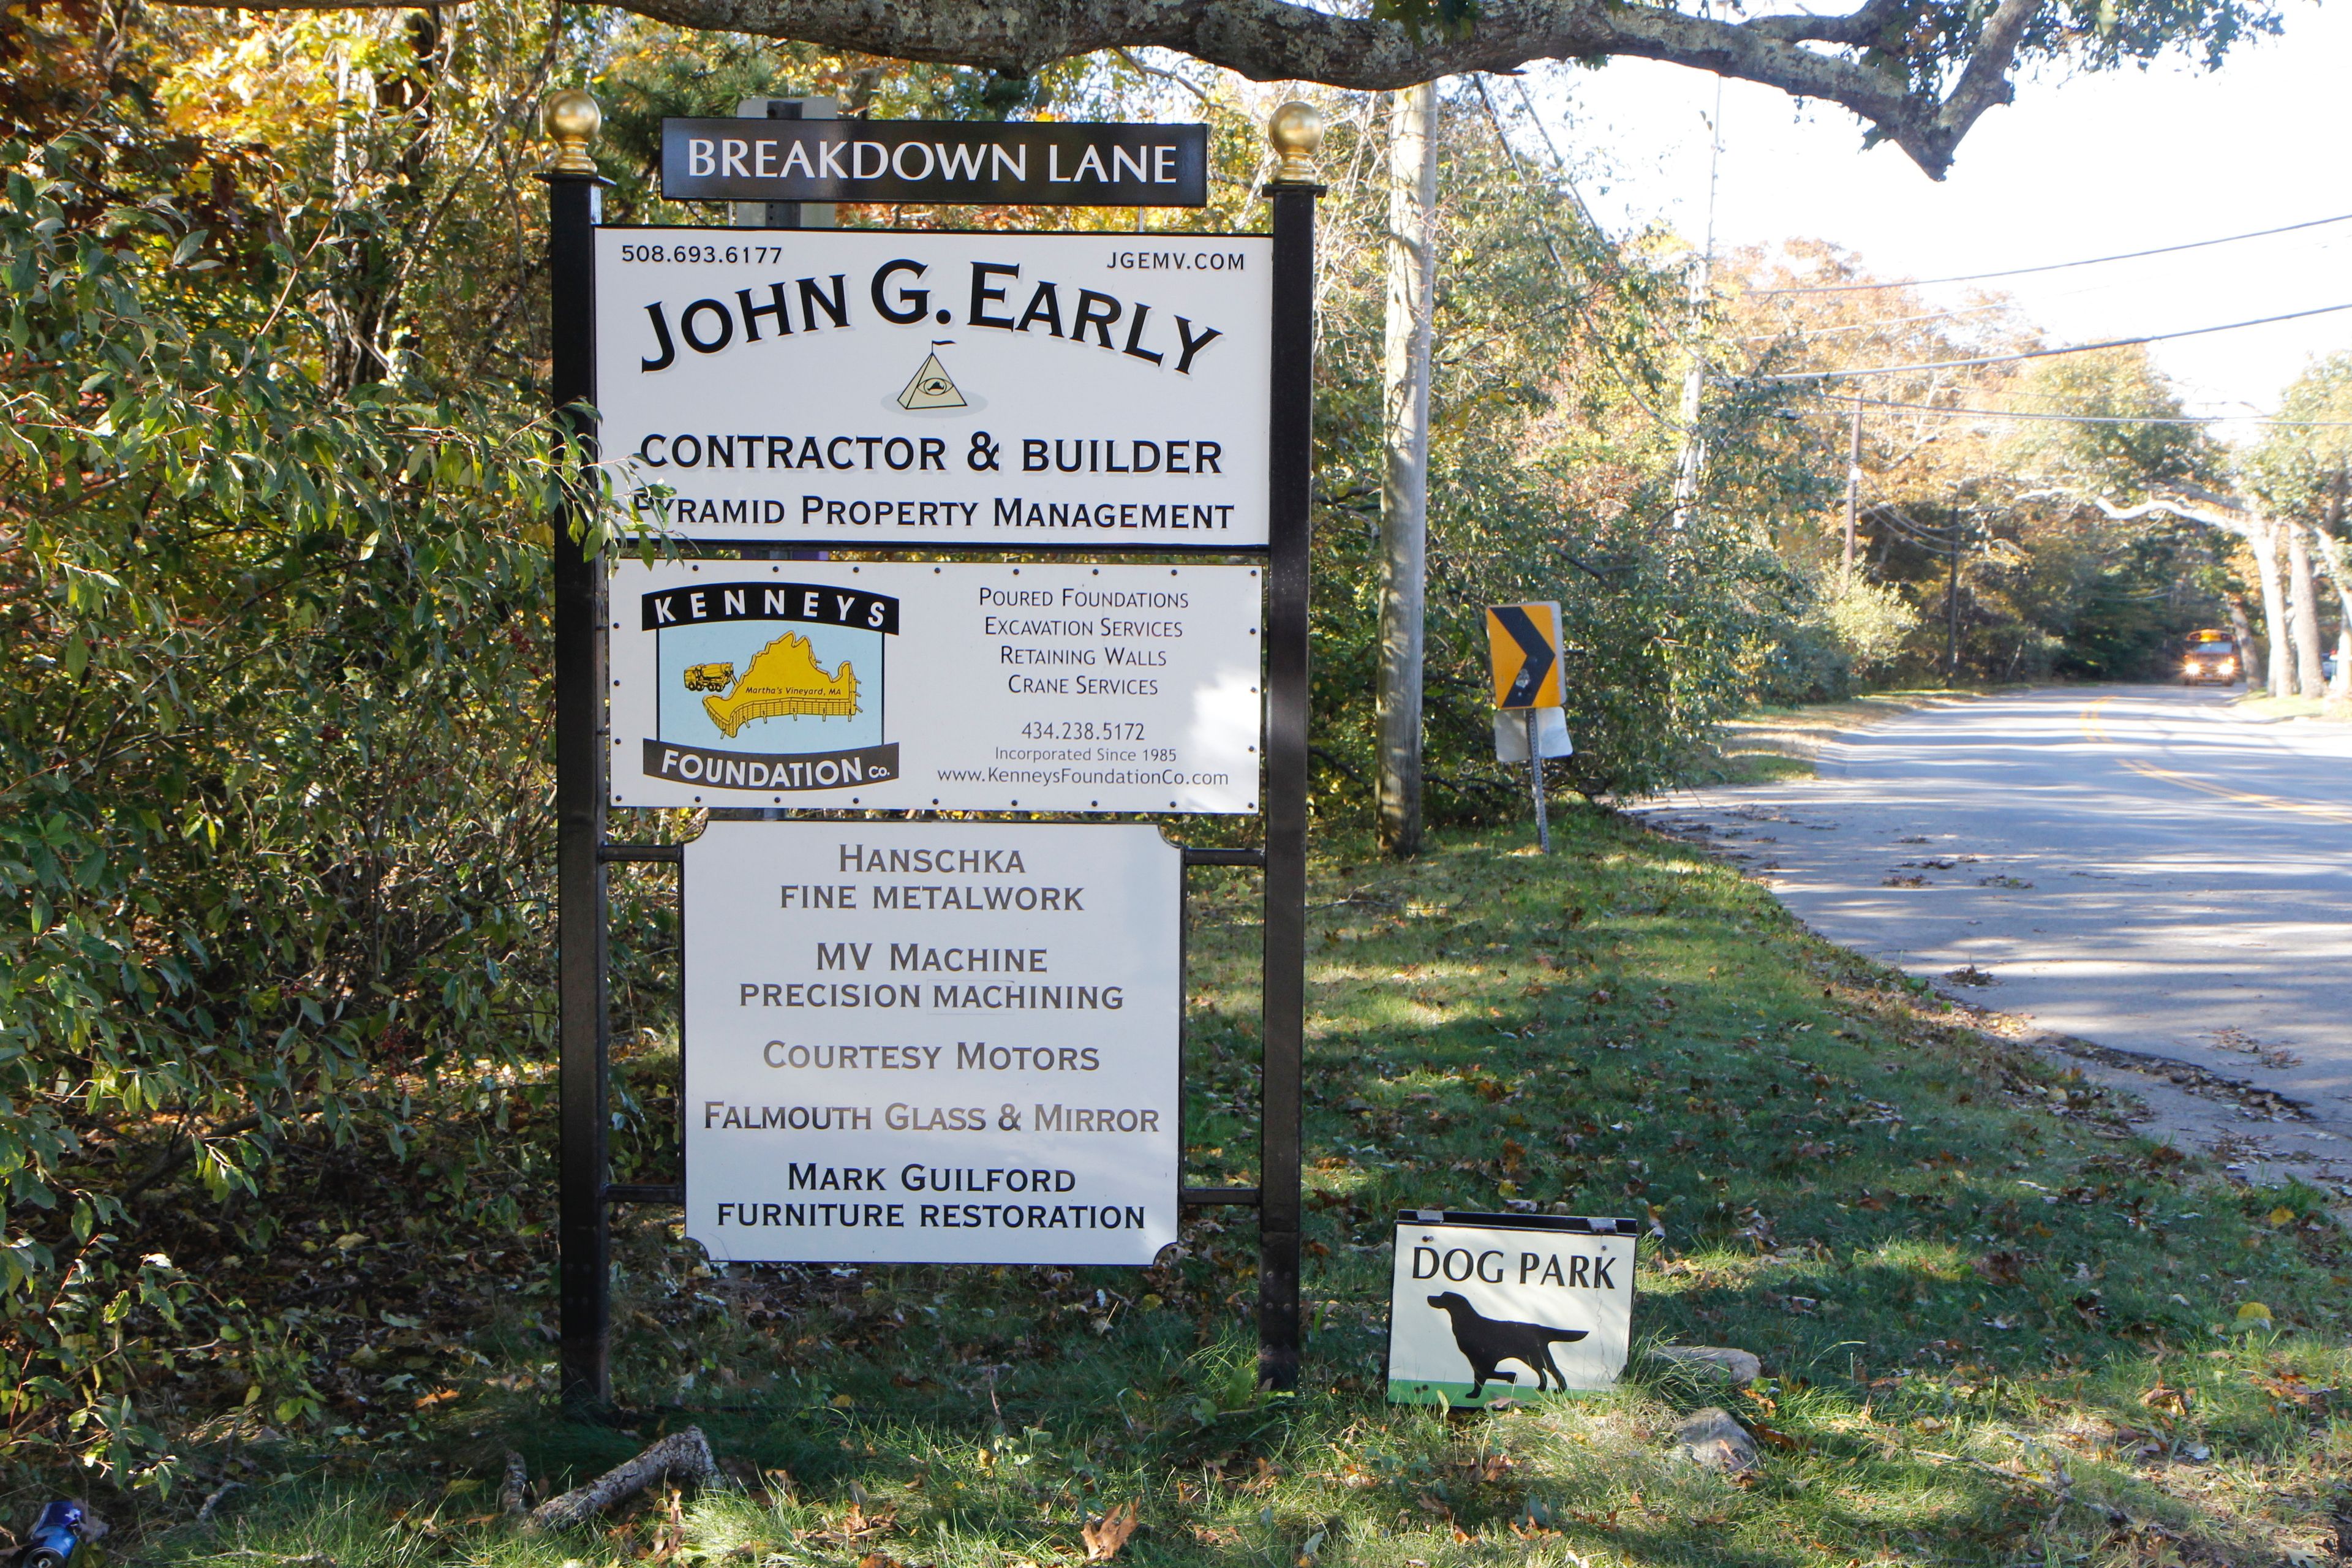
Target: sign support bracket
[(1536, 785)]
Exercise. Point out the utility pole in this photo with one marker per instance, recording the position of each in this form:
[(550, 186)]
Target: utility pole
[(1852, 481), (1690, 464), (1952, 605), (784, 215)]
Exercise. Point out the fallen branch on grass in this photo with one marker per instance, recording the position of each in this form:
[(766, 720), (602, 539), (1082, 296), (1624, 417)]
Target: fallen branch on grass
[(682, 1456)]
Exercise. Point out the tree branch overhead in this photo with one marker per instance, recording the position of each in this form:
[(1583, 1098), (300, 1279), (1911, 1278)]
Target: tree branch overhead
[(1895, 52)]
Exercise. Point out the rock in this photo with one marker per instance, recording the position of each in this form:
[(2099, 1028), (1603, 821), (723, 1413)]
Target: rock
[(1740, 1366), (1712, 1440)]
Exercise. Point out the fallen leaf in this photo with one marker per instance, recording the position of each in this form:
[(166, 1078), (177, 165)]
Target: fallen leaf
[(1106, 1535), (2003, 1267)]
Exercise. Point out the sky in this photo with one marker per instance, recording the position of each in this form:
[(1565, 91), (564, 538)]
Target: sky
[(2078, 166)]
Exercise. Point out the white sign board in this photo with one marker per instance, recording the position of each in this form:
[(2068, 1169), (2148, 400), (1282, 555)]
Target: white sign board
[(955, 687), (1551, 735), (1489, 1306), (860, 387), (932, 1042)]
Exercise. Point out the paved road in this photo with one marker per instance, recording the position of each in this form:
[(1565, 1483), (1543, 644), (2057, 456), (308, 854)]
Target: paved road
[(2140, 867)]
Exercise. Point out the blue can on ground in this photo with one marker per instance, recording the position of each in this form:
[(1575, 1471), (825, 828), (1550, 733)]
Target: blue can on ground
[(55, 1537)]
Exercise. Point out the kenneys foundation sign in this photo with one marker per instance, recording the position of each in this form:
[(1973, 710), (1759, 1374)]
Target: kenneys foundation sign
[(940, 686), (994, 390), (981, 164)]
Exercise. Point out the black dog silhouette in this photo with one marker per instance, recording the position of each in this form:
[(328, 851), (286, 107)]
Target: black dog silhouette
[(1486, 1342)]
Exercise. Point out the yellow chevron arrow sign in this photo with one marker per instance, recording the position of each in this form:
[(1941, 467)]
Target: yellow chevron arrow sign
[(1523, 644)]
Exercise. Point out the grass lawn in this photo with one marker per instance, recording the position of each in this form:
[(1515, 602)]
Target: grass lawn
[(2257, 705), (1997, 1326)]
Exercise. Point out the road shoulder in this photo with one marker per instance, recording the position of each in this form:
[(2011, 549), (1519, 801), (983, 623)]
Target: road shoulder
[(1771, 744)]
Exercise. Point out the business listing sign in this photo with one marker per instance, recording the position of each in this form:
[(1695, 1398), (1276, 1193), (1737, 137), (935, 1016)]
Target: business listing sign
[(988, 391), (932, 1042), (935, 686)]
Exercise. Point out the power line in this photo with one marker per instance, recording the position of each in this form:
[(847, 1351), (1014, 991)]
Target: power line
[(1936, 539), (1543, 233), (1843, 405), (2045, 353), (2059, 266), (1799, 331)]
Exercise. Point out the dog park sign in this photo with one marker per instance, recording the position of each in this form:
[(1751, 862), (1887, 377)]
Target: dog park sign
[(909, 1039), (1487, 1306)]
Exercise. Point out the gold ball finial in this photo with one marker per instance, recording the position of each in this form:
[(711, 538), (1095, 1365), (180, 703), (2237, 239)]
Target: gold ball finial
[(1295, 129), (571, 117)]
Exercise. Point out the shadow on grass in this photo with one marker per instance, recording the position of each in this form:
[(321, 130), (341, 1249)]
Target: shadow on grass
[(1988, 1315)]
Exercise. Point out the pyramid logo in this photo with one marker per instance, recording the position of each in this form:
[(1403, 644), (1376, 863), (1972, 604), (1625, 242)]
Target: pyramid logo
[(932, 386)]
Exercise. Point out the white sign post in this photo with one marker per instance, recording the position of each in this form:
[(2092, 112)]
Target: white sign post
[(856, 387), (932, 1042), (949, 687), (1489, 1306)]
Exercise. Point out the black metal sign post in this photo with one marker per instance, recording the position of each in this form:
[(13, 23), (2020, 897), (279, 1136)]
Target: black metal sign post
[(584, 1276), (582, 851), (1284, 987)]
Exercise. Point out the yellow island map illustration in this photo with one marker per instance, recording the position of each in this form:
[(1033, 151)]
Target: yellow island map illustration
[(782, 679)]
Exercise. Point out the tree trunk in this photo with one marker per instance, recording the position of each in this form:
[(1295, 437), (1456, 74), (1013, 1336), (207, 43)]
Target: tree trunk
[(2244, 630), (2262, 540), (2331, 558), (1405, 494), (2307, 678)]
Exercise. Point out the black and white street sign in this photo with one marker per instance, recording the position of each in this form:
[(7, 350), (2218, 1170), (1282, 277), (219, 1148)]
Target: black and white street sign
[(989, 391), (953, 687), (1490, 1306), (990, 163), (932, 1042)]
